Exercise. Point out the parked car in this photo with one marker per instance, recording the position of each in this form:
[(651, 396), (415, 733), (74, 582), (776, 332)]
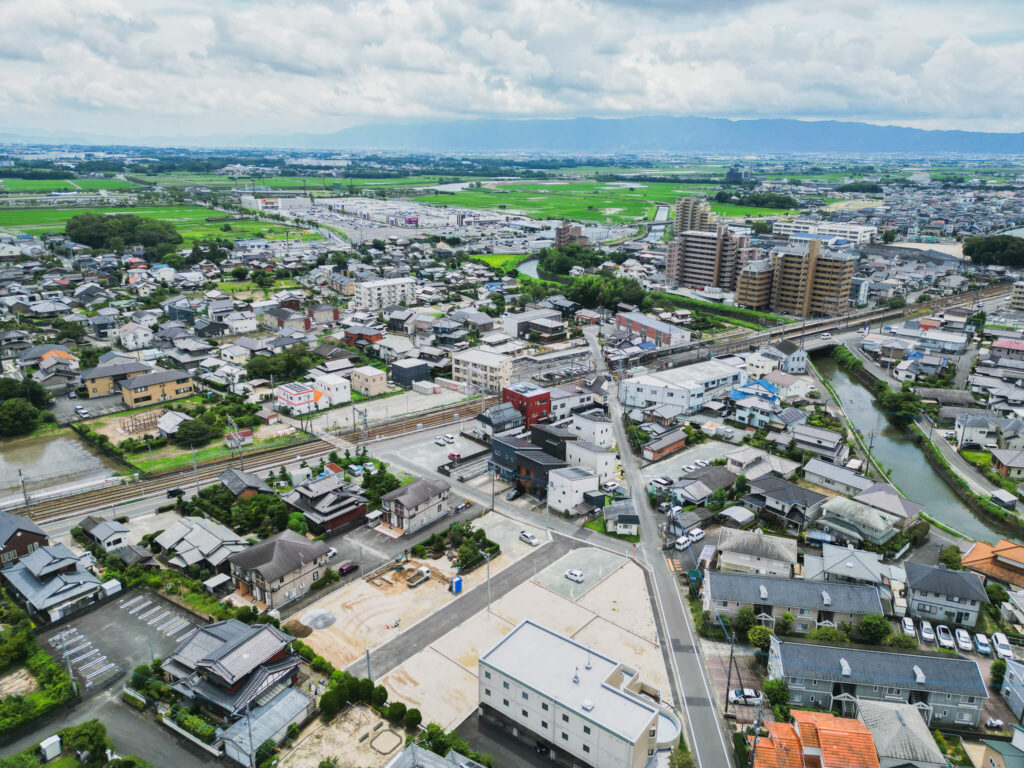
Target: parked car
[(439, 441), (696, 535), (331, 553), (574, 574), (927, 633), (944, 636), (826, 335), (1002, 645), (703, 463), (82, 412), (611, 487), (689, 468), (529, 538), (981, 644), (449, 437), (750, 696), (682, 542), (908, 627), (346, 568), (465, 504), (963, 640), (453, 456), (173, 493), (514, 494)]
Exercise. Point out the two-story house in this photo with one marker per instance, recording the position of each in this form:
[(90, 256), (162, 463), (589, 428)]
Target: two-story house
[(156, 387), (812, 604), (949, 690), (936, 593), (106, 379), (326, 504), (18, 537), (416, 504), (791, 504), (110, 535), (278, 570), (50, 583), (755, 552)]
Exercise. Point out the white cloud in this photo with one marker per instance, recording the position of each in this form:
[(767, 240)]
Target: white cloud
[(192, 67)]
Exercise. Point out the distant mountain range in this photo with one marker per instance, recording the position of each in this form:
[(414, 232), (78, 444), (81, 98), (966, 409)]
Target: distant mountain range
[(587, 135)]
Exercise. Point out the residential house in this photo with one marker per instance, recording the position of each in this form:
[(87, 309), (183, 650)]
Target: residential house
[(1008, 463), (568, 486), (793, 505), (947, 689), (939, 594), (110, 535), (595, 459), (621, 518), (1012, 689), (416, 504), (156, 387), (369, 381), (825, 444), (299, 398), (593, 426), (200, 542), (19, 536), (811, 604), (278, 570), (901, 736), (818, 739), (241, 322), (499, 420), (336, 389), (755, 552), (168, 423), (1002, 563), (753, 463), (836, 478), (698, 486), (133, 336), (887, 498), (107, 379), (792, 358), (243, 484), (51, 583), (326, 504), (850, 521), (1004, 754)]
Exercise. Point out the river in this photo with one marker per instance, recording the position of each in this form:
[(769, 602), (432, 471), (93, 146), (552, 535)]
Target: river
[(529, 268), (897, 452)]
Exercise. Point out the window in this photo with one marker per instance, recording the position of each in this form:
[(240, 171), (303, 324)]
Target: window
[(967, 699), (565, 718), (797, 681), (487, 674), (565, 736), (586, 748), (316, 575), (543, 723), (586, 729), (505, 702), (544, 706), (505, 685), (487, 691), (526, 696), (525, 713), (652, 732)]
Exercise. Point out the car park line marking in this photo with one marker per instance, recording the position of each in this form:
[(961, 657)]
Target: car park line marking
[(57, 638), (167, 623), (161, 617), (76, 649), (147, 614), (85, 656), (139, 607), (183, 626), (100, 671), (92, 663), (75, 655), (167, 628), (132, 602)]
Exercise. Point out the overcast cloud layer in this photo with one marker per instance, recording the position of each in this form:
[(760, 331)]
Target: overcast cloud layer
[(200, 67)]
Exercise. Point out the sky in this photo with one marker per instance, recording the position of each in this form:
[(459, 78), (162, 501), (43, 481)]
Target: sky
[(138, 68)]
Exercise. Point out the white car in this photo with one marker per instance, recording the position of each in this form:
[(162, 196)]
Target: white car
[(927, 633), (689, 468), (449, 438), (683, 542), (908, 627), (704, 463), (963, 640), (529, 538), (439, 441), (331, 552), (1002, 645), (611, 486), (826, 335), (750, 696), (575, 575), (696, 535), (944, 636)]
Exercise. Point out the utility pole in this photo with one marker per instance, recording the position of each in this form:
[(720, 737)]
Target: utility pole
[(67, 661), (195, 468), (24, 492)]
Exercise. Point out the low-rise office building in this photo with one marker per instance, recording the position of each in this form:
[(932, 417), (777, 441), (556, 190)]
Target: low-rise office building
[(369, 381)]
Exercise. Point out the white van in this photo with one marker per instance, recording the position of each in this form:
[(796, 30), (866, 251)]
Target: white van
[(683, 542)]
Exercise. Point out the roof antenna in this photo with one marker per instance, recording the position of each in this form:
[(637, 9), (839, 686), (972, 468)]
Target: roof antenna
[(588, 657), (576, 677)]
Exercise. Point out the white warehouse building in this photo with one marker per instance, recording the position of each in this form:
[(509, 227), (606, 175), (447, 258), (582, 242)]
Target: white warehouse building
[(690, 387), (585, 707)]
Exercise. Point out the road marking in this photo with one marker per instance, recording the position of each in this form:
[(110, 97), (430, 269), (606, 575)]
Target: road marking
[(183, 626), (131, 602), (92, 663), (85, 656), (147, 614), (100, 671), (139, 607), (168, 623), (161, 617)]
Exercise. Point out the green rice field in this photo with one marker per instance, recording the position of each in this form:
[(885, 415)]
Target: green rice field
[(312, 183), (189, 220), (62, 185)]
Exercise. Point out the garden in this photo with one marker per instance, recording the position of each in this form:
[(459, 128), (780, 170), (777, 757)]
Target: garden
[(466, 546)]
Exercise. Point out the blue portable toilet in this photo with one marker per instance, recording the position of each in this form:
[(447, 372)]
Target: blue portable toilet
[(456, 585)]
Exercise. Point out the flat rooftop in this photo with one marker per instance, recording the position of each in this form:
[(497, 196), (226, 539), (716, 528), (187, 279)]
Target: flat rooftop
[(547, 662)]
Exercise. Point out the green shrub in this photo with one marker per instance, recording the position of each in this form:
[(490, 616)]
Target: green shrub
[(132, 701), (396, 712), (412, 719), (195, 725)]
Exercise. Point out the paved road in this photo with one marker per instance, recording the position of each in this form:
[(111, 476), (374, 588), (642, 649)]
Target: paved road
[(440, 623), (704, 726)]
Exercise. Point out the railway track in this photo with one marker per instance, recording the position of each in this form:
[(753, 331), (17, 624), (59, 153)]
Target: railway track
[(400, 426)]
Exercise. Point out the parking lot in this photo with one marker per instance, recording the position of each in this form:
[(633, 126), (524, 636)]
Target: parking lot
[(64, 408), (673, 465), (131, 629)]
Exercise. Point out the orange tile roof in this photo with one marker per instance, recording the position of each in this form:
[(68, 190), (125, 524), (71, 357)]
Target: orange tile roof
[(781, 749), (847, 743), (807, 724), (982, 559), (57, 353)]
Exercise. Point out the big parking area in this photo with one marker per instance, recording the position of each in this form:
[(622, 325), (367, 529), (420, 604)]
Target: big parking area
[(64, 408), (130, 630), (673, 465)]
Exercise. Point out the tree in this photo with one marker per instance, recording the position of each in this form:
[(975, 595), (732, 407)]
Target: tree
[(239, 273), (380, 696), (90, 736), (784, 623), (412, 719), (744, 621), (330, 704), (29, 389), (828, 635), (950, 557), (776, 692), (375, 486), (195, 433), (996, 594), (998, 671), (17, 417), (873, 628), (396, 712), (889, 236), (899, 640), (680, 758), (760, 637)]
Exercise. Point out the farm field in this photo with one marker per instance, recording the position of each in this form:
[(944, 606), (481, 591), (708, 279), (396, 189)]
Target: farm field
[(189, 220), (590, 201), (503, 260), (62, 185), (312, 183)]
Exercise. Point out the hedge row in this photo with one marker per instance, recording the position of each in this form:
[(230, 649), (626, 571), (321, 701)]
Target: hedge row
[(194, 724)]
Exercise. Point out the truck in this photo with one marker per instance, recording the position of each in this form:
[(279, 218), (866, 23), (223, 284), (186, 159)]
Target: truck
[(422, 574), (453, 456)]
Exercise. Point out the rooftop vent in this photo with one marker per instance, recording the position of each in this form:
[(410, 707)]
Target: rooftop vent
[(918, 674), (588, 705), (845, 666), (576, 676), (764, 591), (826, 598)]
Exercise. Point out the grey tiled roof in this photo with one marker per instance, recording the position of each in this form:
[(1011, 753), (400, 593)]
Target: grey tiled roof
[(11, 524), (279, 555), (899, 733), (941, 580), (793, 593), (416, 492), (757, 544), (237, 481)]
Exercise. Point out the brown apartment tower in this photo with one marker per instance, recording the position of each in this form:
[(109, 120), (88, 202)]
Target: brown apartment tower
[(569, 233), (693, 213), (806, 280), (697, 259)]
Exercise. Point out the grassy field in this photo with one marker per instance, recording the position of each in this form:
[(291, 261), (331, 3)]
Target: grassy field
[(211, 453), (312, 183), (233, 286), (590, 201), (503, 260), (62, 185), (190, 221)]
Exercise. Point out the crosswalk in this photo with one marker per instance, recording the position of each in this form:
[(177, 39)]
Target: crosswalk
[(153, 614)]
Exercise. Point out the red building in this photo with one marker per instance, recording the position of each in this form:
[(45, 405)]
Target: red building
[(361, 333), (530, 400)]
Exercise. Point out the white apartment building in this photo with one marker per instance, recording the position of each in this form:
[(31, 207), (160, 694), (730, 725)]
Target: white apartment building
[(585, 707), (860, 234), (487, 371), (336, 389), (300, 398), (690, 387), (566, 487), (591, 457), (377, 294), (593, 427), (1017, 298)]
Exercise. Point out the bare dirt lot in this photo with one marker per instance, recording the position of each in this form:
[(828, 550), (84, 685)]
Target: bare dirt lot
[(344, 739), (17, 683)]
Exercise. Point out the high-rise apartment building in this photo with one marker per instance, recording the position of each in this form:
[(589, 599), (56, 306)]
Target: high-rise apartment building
[(1017, 297), (754, 285), (569, 233), (809, 280), (693, 213), (698, 258)]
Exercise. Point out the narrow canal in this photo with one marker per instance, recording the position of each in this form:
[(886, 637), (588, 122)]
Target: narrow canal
[(906, 462)]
